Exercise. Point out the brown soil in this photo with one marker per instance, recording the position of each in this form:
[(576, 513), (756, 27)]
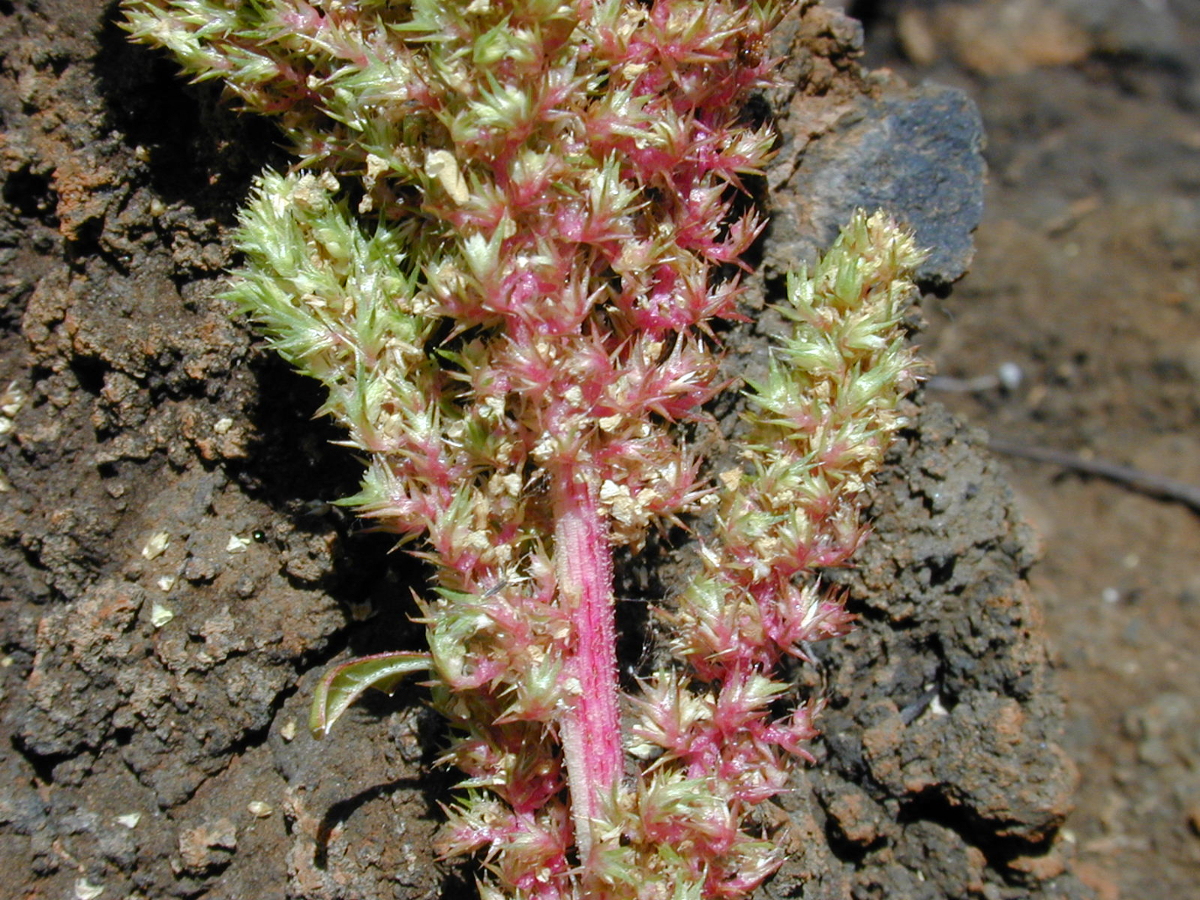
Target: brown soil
[(1087, 278), (155, 688)]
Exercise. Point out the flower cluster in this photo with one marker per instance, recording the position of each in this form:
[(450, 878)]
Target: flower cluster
[(504, 252)]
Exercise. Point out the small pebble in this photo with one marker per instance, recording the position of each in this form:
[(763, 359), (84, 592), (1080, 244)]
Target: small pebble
[(1011, 376)]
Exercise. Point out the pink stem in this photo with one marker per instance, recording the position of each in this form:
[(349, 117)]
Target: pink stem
[(590, 725)]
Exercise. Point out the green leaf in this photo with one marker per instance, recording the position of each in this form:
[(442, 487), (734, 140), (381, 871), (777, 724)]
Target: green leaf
[(343, 684)]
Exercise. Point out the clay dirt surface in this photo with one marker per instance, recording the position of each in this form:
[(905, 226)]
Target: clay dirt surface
[(1087, 280)]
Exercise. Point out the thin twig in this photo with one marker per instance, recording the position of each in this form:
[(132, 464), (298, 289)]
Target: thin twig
[(1147, 483)]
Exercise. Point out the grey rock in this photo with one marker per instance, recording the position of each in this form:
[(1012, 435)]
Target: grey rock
[(916, 153), (1149, 31)]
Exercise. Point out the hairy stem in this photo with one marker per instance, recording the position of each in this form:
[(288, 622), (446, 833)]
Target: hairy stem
[(590, 725)]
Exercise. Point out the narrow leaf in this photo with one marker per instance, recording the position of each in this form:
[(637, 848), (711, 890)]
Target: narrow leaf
[(343, 684)]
